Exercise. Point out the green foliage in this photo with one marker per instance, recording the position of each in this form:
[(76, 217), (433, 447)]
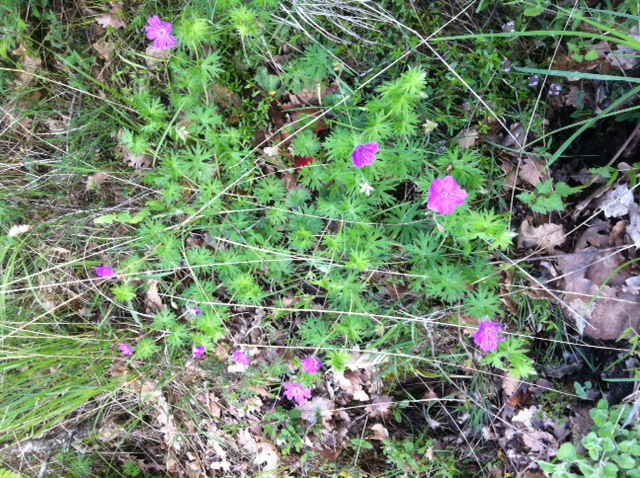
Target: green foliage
[(511, 356), (609, 449), (547, 197)]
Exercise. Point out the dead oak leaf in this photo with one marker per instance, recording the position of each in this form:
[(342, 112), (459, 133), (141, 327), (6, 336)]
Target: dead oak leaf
[(532, 171), (547, 236), (379, 432)]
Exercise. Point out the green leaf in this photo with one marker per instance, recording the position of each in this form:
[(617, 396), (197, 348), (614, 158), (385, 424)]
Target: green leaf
[(106, 219), (624, 461), (610, 469), (567, 452), (533, 11), (591, 55)]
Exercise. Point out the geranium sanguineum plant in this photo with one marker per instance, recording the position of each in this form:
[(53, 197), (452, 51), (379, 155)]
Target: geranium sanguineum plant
[(296, 392), (445, 196), (487, 336), (365, 155), (311, 365), (161, 33)]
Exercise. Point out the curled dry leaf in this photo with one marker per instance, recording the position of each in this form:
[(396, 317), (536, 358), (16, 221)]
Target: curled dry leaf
[(466, 138), (138, 161), (95, 180), (267, 457), (616, 202), (547, 236), (104, 49), (379, 432), (153, 301), (112, 19)]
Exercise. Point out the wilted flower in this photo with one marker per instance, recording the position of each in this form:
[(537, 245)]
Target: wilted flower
[(105, 272), (509, 27), (303, 162), (240, 358), (487, 336), (534, 81), (161, 33), (199, 351), (445, 195), (506, 66), (297, 393), (441, 147), (365, 155), (555, 89), (429, 126), (126, 350), (366, 188), (311, 365)]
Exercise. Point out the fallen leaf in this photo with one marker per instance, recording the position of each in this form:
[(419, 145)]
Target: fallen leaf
[(214, 408), (153, 301), (267, 457), (95, 180), (467, 138), (532, 170), (271, 152), (546, 236), (103, 48), (17, 230), (112, 19), (380, 407), (616, 202), (510, 385), (138, 161), (247, 442), (379, 432), (317, 406)]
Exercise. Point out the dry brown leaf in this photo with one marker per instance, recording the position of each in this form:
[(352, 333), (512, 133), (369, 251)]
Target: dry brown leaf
[(532, 171), (317, 406), (104, 49), (381, 406), (379, 432), (214, 408), (95, 180), (267, 457), (510, 385), (247, 442), (138, 161), (112, 19), (616, 202), (547, 236), (466, 138), (153, 301)]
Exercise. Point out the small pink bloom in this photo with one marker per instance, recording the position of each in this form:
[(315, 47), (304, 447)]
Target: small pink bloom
[(105, 272), (365, 155), (126, 350), (311, 364), (297, 393), (161, 33), (195, 311), (487, 336), (445, 195), (240, 358), (198, 352)]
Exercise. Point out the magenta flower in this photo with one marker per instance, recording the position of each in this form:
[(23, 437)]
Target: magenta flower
[(297, 393), (198, 352), (126, 350), (195, 311), (311, 364), (365, 155), (445, 195), (105, 272), (240, 358), (487, 336), (161, 33)]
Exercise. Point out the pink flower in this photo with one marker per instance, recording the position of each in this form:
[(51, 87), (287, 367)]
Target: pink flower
[(311, 364), (445, 195), (195, 311), (198, 352), (105, 272), (126, 350), (365, 155), (161, 33), (297, 393), (487, 336), (240, 358)]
